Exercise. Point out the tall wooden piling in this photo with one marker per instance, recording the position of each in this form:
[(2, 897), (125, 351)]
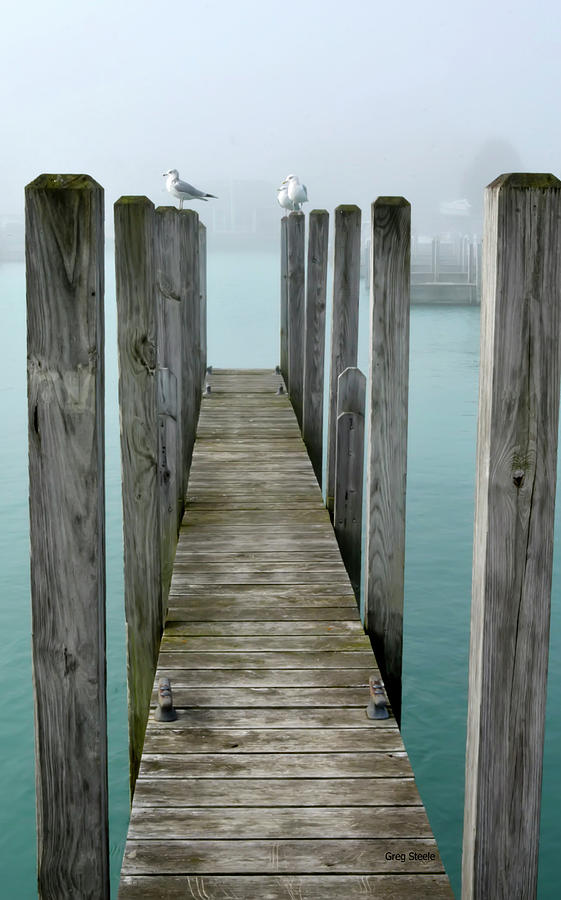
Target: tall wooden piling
[(344, 323), (65, 344), (296, 310), (314, 354), (138, 399), (170, 362), (513, 540), (203, 296), (349, 469), (284, 300), (387, 438), (190, 291)]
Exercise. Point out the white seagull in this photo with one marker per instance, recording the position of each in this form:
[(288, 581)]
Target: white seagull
[(182, 189), (297, 192), (283, 198)]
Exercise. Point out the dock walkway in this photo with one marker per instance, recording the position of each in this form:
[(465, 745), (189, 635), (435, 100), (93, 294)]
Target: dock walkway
[(272, 783)]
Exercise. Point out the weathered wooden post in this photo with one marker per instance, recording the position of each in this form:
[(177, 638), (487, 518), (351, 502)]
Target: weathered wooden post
[(349, 468), (65, 347), (189, 280), (296, 310), (344, 323), (138, 400), (169, 354), (284, 300), (513, 540), (312, 424), (203, 313), (387, 438)]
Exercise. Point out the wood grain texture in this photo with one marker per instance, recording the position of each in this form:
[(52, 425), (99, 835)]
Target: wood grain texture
[(296, 310), (513, 540), (349, 471), (344, 321), (284, 299), (274, 823), (387, 437), (281, 792), (272, 740), (314, 354), (190, 292), (170, 364), (138, 403), (275, 887), (65, 353)]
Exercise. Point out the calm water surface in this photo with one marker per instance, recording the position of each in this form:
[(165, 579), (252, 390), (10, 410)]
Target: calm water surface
[(243, 331)]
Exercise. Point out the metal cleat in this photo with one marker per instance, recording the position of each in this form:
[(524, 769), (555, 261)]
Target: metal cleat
[(378, 703), (164, 710)]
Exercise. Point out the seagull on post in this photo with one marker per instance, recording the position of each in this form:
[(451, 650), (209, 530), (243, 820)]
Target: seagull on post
[(283, 198), (182, 189), (297, 192)]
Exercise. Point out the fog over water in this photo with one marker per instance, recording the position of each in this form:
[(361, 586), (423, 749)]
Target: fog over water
[(430, 101)]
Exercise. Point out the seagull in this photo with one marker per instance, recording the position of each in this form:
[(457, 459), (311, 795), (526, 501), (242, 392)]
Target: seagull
[(182, 190), (297, 192), (283, 198)]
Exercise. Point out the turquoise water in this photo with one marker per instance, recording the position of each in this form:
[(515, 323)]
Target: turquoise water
[(243, 331)]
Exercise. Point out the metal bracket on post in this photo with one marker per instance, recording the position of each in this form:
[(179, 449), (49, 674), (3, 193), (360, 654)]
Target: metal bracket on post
[(164, 710), (280, 390), (378, 703)]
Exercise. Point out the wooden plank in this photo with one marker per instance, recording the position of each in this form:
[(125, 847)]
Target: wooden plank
[(284, 300), (234, 792), (344, 321), (349, 469), (228, 678), (274, 824), (312, 413), (276, 765), (230, 576), (272, 717), (138, 401), (275, 887), (65, 368), (275, 643), (264, 660), (296, 310), (192, 611), (254, 516), (387, 437), (277, 740), (513, 540), (290, 856), (262, 697), (236, 629)]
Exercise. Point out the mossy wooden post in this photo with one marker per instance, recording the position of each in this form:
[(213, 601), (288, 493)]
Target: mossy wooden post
[(284, 300), (344, 322), (387, 437), (349, 469), (296, 310), (312, 425), (138, 400), (513, 539), (170, 347), (65, 352), (189, 276), (202, 289)]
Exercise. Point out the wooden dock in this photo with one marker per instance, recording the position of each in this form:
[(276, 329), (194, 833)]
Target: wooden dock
[(272, 782)]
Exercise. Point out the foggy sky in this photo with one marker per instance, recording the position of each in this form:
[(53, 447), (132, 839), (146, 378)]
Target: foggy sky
[(360, 97)]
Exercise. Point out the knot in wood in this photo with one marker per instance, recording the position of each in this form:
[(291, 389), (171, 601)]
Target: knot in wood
[(518, 477)]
